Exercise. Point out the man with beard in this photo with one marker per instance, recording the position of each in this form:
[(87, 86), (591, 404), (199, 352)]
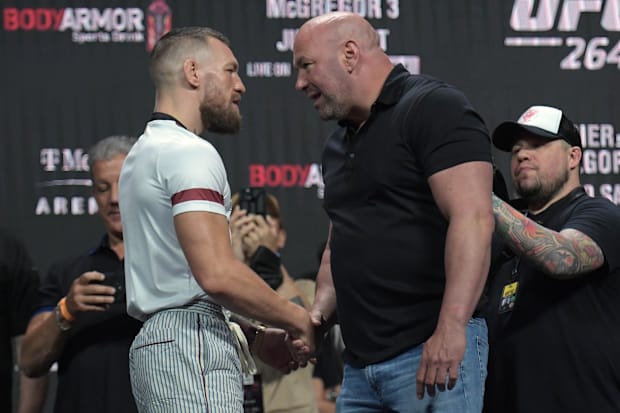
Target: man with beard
[(80, 323), (408, 181), (181, 270), (554, 312)]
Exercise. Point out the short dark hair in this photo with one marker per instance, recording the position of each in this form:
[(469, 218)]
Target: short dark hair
[(173, 39)]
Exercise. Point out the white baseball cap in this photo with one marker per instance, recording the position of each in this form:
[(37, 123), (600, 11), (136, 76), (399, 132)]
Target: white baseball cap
[(544, 121)]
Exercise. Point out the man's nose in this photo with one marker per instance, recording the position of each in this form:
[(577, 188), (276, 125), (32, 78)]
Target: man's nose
[(239, 86), (301, 83), (114, 193)]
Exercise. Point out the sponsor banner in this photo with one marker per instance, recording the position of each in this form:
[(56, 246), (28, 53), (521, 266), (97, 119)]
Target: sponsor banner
[(287, 176), (94, 25), (304, 9), (556, 24), (65, 184), (600, 166), (76, 71)]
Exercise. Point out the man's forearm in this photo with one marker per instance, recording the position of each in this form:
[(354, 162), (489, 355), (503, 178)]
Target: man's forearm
[(467, 260), (559, 255), (325, 296), (32, 394), (240, 290), (41, 345)]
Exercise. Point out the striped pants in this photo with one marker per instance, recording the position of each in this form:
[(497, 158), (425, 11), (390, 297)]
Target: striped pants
[(185, 360)]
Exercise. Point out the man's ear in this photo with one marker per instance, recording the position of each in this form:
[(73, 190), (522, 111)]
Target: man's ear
[(351, 54), (575, 157), (281, 238), (190, 72)]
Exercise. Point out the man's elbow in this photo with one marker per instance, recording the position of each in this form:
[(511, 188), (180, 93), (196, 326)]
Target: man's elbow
[(214, 281), (30, 367), (481, 220), (487, 221), (33, 359)]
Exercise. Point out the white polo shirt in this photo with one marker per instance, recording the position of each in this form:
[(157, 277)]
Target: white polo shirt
[(168, 171)]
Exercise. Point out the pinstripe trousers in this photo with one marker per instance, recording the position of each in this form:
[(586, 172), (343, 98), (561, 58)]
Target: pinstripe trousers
[(185, 360)]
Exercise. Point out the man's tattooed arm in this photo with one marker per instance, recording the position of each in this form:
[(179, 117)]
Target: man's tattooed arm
[(563, 255)]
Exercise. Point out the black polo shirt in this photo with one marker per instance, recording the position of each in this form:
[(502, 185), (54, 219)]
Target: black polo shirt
[(558, 350), (93, 368), (388, 236), (18, 294)]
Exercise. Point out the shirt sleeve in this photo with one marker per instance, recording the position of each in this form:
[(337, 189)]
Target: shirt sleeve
[(443, 130), (599, 219), (195, 178), (51, 290)]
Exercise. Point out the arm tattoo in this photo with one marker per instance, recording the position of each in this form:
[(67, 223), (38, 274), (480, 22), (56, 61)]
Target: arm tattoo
[(562, 255)]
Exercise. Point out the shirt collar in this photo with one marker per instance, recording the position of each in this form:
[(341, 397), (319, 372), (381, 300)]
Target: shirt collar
[(393, 86), (392, 89), (558, 205), (104, 244)]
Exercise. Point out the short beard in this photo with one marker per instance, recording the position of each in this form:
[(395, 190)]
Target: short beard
[(540, 195), (331, 111), (334, 108), (217, 119)]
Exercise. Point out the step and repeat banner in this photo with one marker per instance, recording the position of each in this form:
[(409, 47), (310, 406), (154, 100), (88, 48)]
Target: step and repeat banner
[(74, 72)]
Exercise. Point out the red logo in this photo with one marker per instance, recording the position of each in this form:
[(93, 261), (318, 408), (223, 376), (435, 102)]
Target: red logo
[(527, 116), (287, 176), (38, 19), (158, 22)]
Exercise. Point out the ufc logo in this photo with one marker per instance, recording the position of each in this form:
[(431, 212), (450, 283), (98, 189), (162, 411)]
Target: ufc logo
[(525, 18)]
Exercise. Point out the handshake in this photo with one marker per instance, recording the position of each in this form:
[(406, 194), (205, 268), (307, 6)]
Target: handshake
[(277, 348), (256, 238)]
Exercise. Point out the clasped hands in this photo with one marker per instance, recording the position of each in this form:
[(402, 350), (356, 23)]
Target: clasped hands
[(287, 352)]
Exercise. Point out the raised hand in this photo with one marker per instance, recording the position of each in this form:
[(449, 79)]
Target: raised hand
[(264, 232), (239, 221)]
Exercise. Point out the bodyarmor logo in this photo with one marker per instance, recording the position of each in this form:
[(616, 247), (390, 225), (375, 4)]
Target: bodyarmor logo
[(92, 25), (287, 176), (538, 16)]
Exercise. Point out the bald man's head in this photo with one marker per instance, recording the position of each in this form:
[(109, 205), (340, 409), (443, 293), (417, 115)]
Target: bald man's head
[(341, 66), (339, 27), (166, 64)]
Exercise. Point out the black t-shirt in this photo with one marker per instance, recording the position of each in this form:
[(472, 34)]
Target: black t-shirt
[(388, 236), (328, 365), (93, 369), (18, 294), (558, 350)]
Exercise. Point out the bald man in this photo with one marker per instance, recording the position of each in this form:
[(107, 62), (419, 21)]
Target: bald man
[(408, 182), (179, 263)]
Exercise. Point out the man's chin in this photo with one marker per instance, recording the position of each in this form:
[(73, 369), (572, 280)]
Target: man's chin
[(326, 114), (115, 230)]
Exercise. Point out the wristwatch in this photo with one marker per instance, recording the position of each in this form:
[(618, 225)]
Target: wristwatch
[(61, 322), (331, 395), (255, 338)]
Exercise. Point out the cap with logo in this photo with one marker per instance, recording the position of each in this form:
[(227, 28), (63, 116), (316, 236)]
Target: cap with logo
[(543, 121)]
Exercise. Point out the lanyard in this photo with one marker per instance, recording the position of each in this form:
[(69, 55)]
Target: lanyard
[(514, 273)]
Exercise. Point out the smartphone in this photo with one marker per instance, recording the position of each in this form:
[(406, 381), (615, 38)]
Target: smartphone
[(252, 199), (115, 279)]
